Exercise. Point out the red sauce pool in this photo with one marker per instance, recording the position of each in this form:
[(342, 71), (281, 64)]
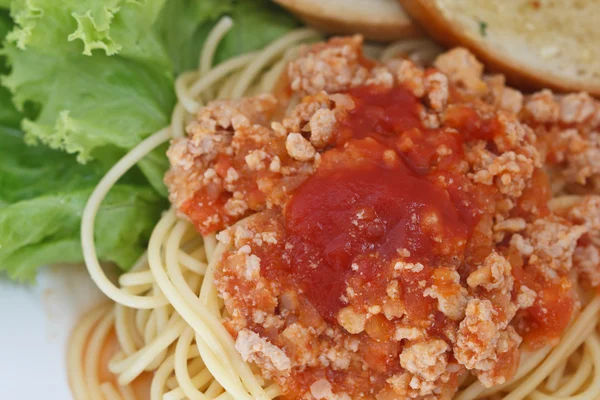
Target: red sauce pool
[(383, 189), (339, 215)]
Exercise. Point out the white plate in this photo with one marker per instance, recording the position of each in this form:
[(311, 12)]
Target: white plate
[(35, 324)]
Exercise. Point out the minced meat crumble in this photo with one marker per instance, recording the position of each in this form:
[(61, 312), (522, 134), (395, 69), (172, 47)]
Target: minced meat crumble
[(391, 233)]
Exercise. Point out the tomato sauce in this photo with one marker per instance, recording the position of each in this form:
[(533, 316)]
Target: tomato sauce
[(363, 215), (551, 312), (384, 189), (374, 215), (206, 208), (204, 204)]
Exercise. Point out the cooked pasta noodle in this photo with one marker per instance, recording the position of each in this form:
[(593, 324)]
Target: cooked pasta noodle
[(166, 316)]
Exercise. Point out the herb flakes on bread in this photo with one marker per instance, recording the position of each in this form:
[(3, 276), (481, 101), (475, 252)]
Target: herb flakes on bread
[(551, 43)]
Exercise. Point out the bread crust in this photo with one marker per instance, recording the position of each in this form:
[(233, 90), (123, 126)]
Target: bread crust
[(382, 23), (427, 14)]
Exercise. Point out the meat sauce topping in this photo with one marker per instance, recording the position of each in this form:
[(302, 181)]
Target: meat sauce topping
[(369, 202), (389, 235), (568, 131)]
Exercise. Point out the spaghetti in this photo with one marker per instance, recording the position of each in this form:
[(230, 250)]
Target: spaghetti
[(165, 330)]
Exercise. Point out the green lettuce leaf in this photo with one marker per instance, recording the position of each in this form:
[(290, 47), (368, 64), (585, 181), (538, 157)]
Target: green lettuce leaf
[(256, 23), (107, 100), (9, 116), (42, 196), (185, 24), (90, 105), (122, 27), (97, 72), (87, 81), (88, 102)]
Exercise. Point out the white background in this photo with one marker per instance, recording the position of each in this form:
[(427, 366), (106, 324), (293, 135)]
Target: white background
[(35, 325)]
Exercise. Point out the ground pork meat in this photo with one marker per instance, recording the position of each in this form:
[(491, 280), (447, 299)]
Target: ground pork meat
[(507, 353), (451, 296), (351, 320), (299, 148), (582, 156), (526, 297), (408, 74), (509, 171), (553, 241), (541, 107), (586, 213), (567, 130), (321, 127), (303, 112), (298, 339), (321, 390), (494, 274), (587, 263), (436, 88), (235, 161), (380, 76), (511, 166), (209, 134), (504, 97), (424, 297), (463, 69), (426, 359), (258, 350), (515, 136), (576, 108), (410, 386), (333, 67), (576, 155), (482, 342)]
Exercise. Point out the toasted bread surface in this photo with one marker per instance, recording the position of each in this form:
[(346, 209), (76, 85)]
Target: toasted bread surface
[(545, 43), (381, 20)]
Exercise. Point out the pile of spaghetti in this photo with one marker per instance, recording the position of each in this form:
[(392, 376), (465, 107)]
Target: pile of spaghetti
[(511, 314)]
